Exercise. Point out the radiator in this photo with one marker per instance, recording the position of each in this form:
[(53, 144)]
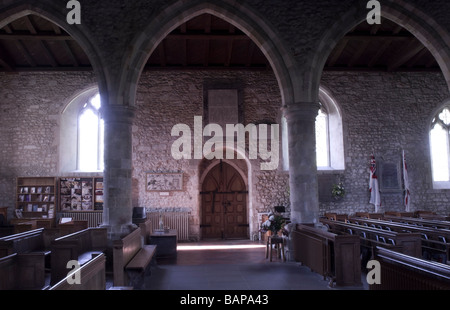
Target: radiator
[(94, 218), (172, 220)]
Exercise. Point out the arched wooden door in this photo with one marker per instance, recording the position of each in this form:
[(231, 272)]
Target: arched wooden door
[(224, 204)]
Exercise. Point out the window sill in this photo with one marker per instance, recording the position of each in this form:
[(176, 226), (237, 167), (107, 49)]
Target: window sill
[(441, 185), (324, 170)]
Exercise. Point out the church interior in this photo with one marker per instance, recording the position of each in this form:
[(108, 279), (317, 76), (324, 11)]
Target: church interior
[(304, 144)]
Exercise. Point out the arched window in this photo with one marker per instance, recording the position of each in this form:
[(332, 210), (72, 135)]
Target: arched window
[(329, 135), (322, 139), (90, 136), (81, 134), (439, 146)]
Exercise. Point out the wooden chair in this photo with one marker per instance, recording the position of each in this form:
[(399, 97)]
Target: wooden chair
[(277, 243)]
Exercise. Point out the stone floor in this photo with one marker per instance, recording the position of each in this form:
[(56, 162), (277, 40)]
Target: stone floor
[(232, 265)]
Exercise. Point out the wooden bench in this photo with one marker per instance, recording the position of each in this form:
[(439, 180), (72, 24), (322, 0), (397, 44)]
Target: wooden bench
[(433, 223), (146, 229), (404, 272), (25, 242), (332, 255), (435, 241), (23, 225), (92, 276), (398, 214), (369, 215), (81, 246), (407, 243), (22, 271), (72, 226), (336, 216), (131, 259)]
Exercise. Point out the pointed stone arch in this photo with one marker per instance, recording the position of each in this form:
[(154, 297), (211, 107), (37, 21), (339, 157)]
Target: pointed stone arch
[(424, 27), (53, 13), (236, 14)]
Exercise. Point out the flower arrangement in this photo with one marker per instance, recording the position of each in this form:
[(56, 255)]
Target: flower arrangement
[(274, 223), (338, 190)]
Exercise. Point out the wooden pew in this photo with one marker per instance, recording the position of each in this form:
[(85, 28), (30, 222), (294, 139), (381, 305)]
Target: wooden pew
[(404, 272), (336, 216), (399, 214), (22, 271), (92, 276), (407, 243), (22, 225), (435, 241), (25, 242), (72, 226), (418, 221), (332, 255), (81, 246), (131, 259), (146, 230), (369, 215)]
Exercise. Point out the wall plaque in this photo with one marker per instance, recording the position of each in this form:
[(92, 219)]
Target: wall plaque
[(390, 177), (164, 182)]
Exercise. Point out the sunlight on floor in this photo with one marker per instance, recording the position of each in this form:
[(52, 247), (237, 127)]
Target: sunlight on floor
[(218, 247)]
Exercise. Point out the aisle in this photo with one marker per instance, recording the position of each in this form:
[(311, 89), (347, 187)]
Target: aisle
[(231, 265)]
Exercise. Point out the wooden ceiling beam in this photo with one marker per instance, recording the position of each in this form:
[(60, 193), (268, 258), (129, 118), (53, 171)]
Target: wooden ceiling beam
[(406, 54), (374, 29), (162, 53), (6, 60), (29, 25), (417, 57), (36, 37), (378, 37), (250, 52), (184, 51), (203, 36), (208, 19), (207, 53), (22, 48), (26, 54), (431, 63), (70, 53), (48, 54), (65, 46), (229, 53), (337, 52), (356, 56), (381, 50)]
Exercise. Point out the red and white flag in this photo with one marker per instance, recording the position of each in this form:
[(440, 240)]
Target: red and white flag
[(407, 199), (375, 198)]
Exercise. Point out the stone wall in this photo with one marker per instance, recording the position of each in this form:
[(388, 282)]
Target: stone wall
[(382, 112), (168, 98), (31, 105), (386, 113)]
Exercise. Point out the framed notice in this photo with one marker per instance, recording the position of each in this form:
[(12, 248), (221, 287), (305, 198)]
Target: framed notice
[(81, 194), (163, 182), (390, 177)]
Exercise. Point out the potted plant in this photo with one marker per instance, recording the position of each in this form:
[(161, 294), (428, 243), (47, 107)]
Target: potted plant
[(338, 191), (274, 223)]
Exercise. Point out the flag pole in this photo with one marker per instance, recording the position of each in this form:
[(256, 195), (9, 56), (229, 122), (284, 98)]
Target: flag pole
[(407, 198)]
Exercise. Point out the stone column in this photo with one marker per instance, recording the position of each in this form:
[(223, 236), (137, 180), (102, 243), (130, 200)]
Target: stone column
[(301, 118), (117, 211)]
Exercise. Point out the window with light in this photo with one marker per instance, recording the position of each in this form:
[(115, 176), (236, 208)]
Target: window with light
[(322, 139), (439, 146), (90, 136)]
